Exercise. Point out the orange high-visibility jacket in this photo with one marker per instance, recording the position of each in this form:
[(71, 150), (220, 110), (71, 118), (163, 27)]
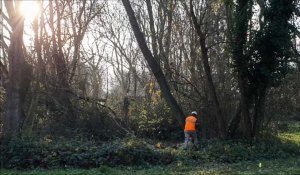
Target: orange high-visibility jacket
[(190, 123)]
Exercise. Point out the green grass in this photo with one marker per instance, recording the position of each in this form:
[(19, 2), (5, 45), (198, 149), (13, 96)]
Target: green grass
[(292, 137), (279, 166), (261, 165)]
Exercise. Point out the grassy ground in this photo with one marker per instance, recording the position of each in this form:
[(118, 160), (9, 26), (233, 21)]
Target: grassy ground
[(280, 166), (290, 165)]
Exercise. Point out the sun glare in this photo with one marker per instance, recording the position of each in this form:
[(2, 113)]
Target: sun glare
[(29, 9)]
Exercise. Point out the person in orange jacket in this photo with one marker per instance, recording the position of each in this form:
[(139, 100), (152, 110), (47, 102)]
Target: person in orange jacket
[(190, 129)]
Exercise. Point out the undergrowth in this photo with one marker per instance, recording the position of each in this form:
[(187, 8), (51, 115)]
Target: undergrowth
[(30, 152)]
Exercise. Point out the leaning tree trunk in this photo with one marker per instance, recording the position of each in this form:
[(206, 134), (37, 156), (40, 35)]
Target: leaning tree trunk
[(153, 64)]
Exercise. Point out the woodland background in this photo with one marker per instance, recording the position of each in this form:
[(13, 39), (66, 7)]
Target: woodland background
[(102, 70)]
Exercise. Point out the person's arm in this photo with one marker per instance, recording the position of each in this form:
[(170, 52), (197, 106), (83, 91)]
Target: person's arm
[(197, 123)]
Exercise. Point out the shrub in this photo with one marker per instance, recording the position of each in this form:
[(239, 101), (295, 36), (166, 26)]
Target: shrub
[(155, 122), (131, 152), (232, 151), (26, 153), (23, 153)]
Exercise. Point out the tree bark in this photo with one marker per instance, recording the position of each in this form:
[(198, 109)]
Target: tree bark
[(153, 64), (17, 63), (152, 29), (211, 88), (63, 86), (258, 112), (234, 122), (239, 41)]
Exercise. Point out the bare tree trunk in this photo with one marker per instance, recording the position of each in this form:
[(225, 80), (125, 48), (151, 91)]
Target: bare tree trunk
[(63, 87), (234, 122), (211, 87), (83, 19), (154, 66), (17, 63), (152, 29)]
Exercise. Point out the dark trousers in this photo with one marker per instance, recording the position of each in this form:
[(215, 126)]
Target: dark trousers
[(190, 135)]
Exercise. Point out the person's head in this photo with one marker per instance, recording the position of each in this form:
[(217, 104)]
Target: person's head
[(194, 113)]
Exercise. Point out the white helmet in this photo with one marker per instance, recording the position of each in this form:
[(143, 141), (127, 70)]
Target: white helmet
[(194, 113)]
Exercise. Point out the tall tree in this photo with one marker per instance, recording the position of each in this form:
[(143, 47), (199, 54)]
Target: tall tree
[(58, 54), (261, 56), (18, 74), (243, 8), (153, 64), (201, 27)]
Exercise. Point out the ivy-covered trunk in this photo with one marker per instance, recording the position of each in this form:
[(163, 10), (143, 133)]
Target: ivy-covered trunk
[(259, 110), (240, 30), (261, 56)]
